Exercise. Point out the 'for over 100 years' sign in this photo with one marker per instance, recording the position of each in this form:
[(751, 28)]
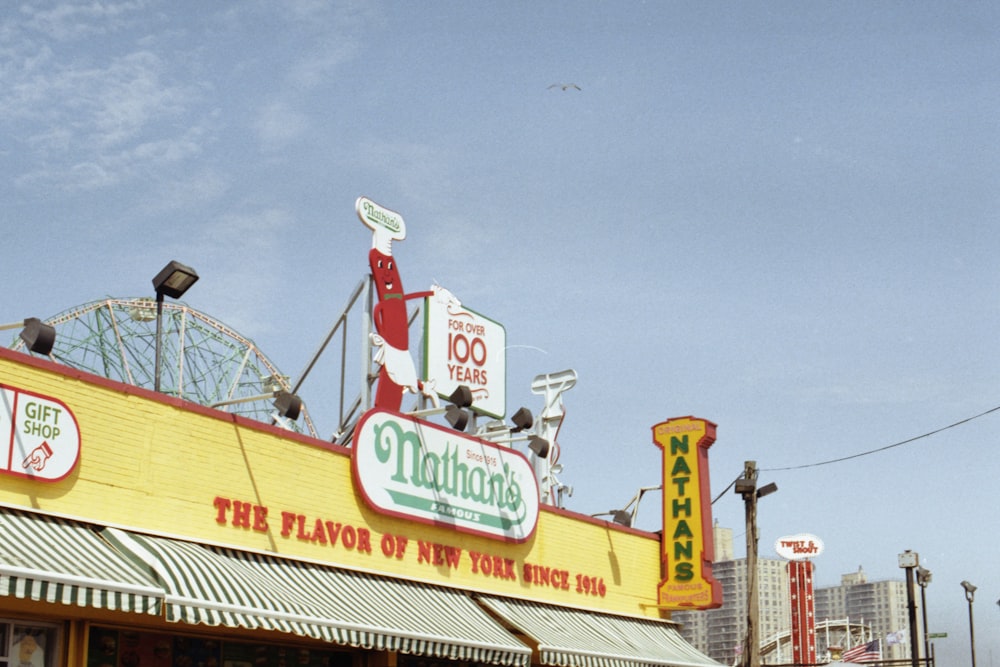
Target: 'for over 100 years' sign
[(415, 469), (463, 347)]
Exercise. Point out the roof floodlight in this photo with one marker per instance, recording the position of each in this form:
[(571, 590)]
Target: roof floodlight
[(540, 446), (457, 417), (461, 397), (622, 518), (38, 336), (522, 420), (288, 405)]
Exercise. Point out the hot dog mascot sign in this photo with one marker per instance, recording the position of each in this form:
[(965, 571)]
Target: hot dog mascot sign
[(409, 467), (461, 347), (391, 337)]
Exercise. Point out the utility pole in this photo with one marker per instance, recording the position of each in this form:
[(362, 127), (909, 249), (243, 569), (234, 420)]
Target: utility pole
[(746, 486), (751, 652)]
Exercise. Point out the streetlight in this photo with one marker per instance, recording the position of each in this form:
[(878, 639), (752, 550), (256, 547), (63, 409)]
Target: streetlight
[(970, 593), (746, 486), (173, 280), (910, 560), (924, 578)]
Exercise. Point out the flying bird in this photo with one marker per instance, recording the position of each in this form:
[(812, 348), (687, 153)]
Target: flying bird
[(564, 86)]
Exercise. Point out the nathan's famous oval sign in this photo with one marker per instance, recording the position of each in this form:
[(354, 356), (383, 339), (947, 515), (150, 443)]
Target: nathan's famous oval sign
[(411, 468)]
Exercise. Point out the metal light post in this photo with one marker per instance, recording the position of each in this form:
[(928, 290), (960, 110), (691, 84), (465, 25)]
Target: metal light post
[(924, 578), (173, 280), (970, 593), (909, 561), (746, 486)]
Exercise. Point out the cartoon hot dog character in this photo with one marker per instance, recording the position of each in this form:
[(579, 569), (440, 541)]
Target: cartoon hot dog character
[(397, 374)]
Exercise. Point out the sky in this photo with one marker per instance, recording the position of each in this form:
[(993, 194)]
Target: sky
[(777, 216)]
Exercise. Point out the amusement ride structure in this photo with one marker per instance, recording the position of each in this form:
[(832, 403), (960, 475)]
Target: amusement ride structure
[(201, 359)]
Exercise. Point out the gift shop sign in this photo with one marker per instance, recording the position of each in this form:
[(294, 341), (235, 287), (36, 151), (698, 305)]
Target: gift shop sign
[(463, 347), (39, 436), (410, 468)]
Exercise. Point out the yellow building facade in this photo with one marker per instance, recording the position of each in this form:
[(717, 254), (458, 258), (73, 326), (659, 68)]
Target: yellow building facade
[(139, 529)]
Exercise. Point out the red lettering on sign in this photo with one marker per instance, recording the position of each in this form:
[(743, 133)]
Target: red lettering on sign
[(490, 565), (543, 575), (222, 506), (240, 513), (438, 554)]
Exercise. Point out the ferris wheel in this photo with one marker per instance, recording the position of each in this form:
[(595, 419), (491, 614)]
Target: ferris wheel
[(201, 359)]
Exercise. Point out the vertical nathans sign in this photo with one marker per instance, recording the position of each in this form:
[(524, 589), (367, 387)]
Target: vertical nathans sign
[(687, 544), (410, 468)]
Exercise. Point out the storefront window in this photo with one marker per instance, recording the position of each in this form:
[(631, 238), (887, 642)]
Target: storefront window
[(27, 644), (418, 661), (110, 647)]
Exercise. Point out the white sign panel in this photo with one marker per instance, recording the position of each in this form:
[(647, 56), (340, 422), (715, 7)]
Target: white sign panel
[(799, 547), (463, 347), (39, 437), (386, 225), (411, 468)]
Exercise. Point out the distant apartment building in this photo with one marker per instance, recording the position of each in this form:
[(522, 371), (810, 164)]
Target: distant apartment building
[(719, 632), (879, 606)]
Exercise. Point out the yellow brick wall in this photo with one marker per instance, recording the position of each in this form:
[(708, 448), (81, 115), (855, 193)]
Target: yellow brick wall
[(155, 464)]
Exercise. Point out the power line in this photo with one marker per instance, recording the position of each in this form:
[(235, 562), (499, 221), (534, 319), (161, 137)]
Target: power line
[(860, 454), (882, 449), (723, 492)]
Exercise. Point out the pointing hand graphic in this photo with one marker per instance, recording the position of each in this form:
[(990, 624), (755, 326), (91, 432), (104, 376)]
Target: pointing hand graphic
[(37, 458)]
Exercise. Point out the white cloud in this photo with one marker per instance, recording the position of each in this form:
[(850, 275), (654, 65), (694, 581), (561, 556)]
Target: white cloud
[(184, 193), (328, 37), (316, 70), (246, 253), (278, 123), (85, 118), (95, 107), (420, 171), (68, 20), (106, 169)]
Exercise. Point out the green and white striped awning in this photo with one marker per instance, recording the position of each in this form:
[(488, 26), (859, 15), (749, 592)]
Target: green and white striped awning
[(69, 562), (574, 638), (47, 559), (217, 586)]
